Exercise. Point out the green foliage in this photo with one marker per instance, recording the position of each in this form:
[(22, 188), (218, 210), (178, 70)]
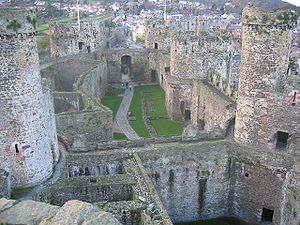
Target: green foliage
[(13, 25), (265, 19), (43, 27), (43, 42), (108, 23), (18, 193), (140, 38), (119, 136), (52, 12), (52, 199), (32, 21)]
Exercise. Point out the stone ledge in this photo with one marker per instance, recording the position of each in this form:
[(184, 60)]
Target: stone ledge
[(72, 212)]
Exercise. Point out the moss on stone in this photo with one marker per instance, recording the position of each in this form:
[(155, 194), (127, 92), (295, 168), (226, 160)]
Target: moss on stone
[(32, 21), (265, 18), (13, 25)]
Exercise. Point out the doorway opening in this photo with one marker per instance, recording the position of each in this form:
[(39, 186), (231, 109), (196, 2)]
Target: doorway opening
[(153, 75), (126, 67), (282, 140), (267, 216)]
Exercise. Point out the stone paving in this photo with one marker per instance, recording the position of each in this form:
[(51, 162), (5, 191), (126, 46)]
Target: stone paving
[(121, 117)]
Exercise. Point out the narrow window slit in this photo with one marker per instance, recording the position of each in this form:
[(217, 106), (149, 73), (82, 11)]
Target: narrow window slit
[(17, 148)]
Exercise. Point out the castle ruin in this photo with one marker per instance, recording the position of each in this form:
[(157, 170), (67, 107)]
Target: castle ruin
[(238, 156)]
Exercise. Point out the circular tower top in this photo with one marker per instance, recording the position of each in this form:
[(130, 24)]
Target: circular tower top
[(14, 21), (256, 16)]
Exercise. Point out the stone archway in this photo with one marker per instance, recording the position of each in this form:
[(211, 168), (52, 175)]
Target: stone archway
[(126, 67)]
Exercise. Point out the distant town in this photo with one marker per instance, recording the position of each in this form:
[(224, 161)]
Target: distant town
[(131, 16)]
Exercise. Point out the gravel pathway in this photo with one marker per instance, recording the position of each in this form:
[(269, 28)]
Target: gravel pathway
[(121, 117)]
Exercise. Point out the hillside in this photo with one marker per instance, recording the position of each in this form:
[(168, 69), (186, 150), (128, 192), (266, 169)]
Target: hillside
[(264, 4)]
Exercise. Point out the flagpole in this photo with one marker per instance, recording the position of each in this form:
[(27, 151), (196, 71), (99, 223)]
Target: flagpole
[(165, 11), (78, 16)]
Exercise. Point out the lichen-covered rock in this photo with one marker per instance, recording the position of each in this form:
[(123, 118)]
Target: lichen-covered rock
[(77, 212), (73, 212), (4, 184), (191, 131), (6, 203), (25, 212)]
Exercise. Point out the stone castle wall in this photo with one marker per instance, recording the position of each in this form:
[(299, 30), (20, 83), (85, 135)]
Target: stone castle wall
[(94, 81), (65, 39), (28, 143), (48, 102), (157, 35), (90, 189), (81, 127), (159, 64), (5, 187), (210, 108), (79, 85), (178, 97), (221, 178), (67, 101), (267, 98), (193, 57), (139, 68)]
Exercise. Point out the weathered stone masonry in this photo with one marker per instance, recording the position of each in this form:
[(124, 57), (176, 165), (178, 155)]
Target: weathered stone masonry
[(268, 107), (65, 39), (28, 136)]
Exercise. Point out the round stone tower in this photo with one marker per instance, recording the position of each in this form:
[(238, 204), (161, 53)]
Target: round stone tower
[(265, 112), (27, 150)]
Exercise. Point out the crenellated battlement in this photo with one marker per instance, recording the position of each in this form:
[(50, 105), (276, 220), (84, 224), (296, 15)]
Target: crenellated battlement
[(267, 103), (17, 21)]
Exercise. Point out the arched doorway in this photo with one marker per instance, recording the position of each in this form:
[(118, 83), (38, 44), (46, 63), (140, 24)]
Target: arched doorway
[(126, 67)]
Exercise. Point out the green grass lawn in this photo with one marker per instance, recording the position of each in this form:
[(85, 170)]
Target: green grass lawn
[(167, 128), (116, 91), (159, 107), (43, 27), (119, 136), (113, 102), (136, 109), (163, 127)]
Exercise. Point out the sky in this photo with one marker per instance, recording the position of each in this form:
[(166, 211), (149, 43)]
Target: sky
[(294, 2)]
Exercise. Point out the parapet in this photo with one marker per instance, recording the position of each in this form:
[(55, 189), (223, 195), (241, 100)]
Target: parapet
[(281, 18), (17, 21), (187, 36)]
